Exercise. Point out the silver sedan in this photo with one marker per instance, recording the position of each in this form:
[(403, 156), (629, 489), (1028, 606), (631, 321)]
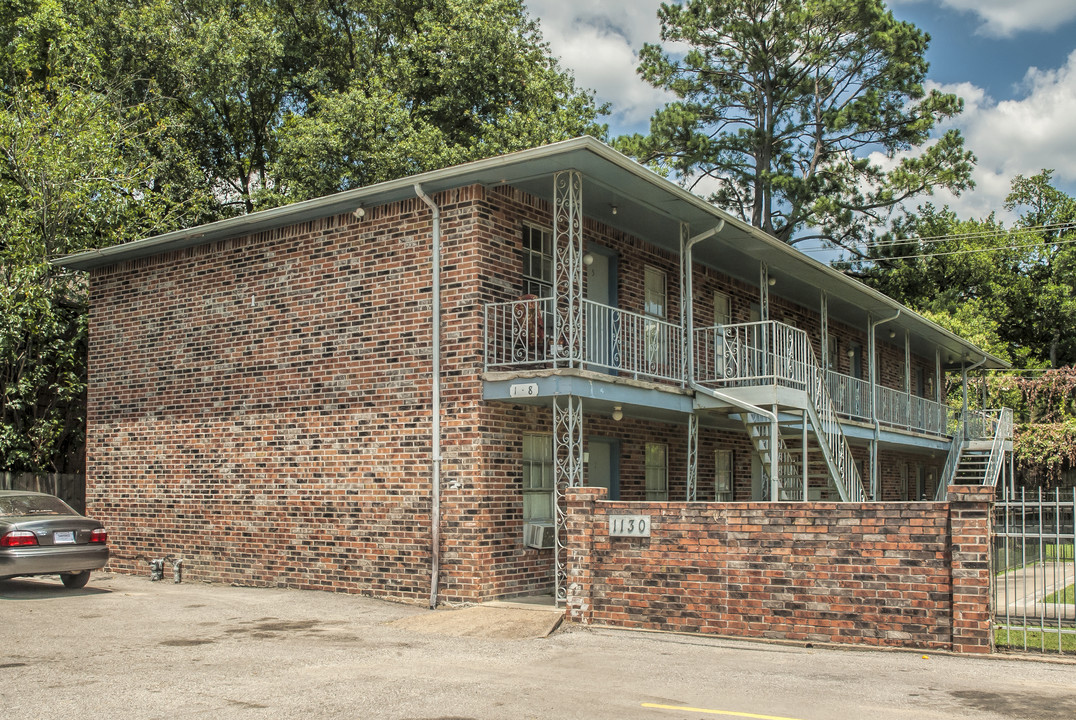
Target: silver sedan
[(41, 535)]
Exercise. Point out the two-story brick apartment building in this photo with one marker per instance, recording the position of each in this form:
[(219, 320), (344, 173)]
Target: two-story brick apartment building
[(386, 390)]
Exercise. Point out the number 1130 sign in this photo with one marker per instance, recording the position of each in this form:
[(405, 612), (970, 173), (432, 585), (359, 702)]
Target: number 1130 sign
[(629, 525)]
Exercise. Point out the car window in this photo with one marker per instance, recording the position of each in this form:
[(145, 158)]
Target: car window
[(33, 505)]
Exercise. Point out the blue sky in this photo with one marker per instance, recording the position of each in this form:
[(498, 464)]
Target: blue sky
[(1013, 62)]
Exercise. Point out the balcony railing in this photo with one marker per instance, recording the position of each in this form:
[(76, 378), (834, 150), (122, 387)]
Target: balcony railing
[(520, 335)]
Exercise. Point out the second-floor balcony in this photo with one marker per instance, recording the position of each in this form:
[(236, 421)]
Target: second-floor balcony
[(525, 335)]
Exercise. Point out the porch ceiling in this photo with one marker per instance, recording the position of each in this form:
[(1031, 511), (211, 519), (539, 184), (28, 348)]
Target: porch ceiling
[(647, 206)]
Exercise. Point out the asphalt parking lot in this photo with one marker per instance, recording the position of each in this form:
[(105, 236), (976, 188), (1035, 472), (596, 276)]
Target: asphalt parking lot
[(128, 648)]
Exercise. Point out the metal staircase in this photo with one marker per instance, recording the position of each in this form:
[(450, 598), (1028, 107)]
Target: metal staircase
[(771, 353), (794, 451), (978, 451)]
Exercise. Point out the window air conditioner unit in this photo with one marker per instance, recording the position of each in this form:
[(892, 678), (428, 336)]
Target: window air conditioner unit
[(538, 535)]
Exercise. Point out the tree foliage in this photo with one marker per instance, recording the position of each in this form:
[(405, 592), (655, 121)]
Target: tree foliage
[(1044, 437), (73, 174), (1011, 290), (282, 100), (799, 113), (126, 118)]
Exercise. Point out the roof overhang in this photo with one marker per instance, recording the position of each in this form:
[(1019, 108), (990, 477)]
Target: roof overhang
[(621, 193)]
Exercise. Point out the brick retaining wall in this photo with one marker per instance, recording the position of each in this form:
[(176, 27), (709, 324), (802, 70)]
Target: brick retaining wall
[(894, 574)]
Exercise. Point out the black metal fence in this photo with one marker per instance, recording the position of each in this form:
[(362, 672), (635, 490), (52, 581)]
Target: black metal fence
[(1034, 571)]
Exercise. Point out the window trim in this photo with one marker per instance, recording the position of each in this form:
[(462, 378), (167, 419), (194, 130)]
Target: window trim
[(728, 493), (663, 469), (533, 282), (545, 463)]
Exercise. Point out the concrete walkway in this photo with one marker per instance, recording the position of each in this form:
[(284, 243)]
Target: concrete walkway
[(1019, 593)]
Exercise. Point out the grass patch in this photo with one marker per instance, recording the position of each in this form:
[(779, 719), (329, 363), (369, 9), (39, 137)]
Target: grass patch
[(1016, 639), (1057, 552), (1062, 597)]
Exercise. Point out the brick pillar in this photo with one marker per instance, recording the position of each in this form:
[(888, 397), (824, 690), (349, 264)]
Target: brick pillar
[(580, 525), (969, 527)]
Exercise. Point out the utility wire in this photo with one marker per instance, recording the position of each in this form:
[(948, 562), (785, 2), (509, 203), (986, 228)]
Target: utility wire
[(969, 251), (933, 239)]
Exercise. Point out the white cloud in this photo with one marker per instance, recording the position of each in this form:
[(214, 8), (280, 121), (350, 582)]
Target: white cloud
[(1004, 18), (1020, 136), (599, 42)]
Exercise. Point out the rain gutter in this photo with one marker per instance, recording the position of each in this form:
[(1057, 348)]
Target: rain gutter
[(435, 509)]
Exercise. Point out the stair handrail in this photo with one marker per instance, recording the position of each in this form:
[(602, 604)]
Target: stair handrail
[(826, 421), (789, 359), (1002, 434), (787, 479), (947, 473)]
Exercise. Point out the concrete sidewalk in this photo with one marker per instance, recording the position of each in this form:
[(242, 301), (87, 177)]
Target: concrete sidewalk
[(1019, 593), (128, 648)]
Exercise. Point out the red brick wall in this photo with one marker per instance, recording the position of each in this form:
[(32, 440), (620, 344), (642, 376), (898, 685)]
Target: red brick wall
[(902, 574), (261, 406)]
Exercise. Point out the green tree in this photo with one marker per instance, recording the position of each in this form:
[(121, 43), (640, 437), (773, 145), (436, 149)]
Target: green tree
[(279, 100), (1041, 298), (801, 113), (74, 174), (1013, 289)]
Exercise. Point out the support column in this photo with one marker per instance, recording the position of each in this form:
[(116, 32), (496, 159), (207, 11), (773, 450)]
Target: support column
[(872, 383), (567, 472), (908, 377), (568, 267), (764, 291), (775, 458), (803, 457), (969, 521), (687, 304), (692, 457), (937, 376), (824, 311)]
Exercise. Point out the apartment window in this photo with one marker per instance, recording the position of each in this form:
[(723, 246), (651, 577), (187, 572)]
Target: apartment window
[(657, 472), (654, 293), (722, 309), (654, 306), (833, 354), (537, 262), (537, 477), (723, 475), (857, 360)]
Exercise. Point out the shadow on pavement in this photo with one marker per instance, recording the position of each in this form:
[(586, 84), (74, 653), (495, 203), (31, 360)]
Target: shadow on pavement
[(43, 588)]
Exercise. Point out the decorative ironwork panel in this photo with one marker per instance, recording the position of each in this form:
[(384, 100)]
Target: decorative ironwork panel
[(764, 291), (692, 457), (568, 265), (824, 310), (567, 472)]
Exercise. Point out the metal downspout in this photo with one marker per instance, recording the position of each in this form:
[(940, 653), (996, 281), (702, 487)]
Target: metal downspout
[(874, 402), (735, 402), (689, 301), (435, 509)]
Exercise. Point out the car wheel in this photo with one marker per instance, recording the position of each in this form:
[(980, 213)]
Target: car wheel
[(76, 580)]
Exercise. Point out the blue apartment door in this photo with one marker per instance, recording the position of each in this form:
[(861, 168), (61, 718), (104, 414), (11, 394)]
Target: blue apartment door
[(603, 465), (602, 321)]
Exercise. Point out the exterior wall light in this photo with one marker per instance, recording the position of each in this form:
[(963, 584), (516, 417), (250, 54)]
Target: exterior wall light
[(618, 414), (588, 259)]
